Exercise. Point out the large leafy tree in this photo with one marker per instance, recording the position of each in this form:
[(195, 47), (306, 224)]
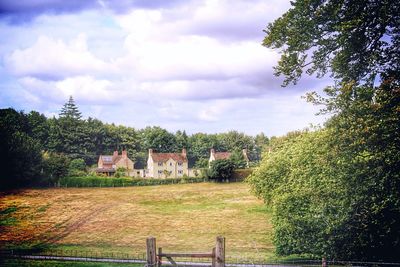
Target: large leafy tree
[(354, 40), (157, 138), (20, 159), (358, 43)]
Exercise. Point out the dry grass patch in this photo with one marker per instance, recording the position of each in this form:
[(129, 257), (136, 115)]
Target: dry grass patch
[(184, 217)]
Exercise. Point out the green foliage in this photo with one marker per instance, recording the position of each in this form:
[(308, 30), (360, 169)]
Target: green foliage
[(20, 157), (221, 170), (55, 166), (120, 172), (70, 110), (201, 163), (334, 192), (158, 139), (358, 152), (96, 181), (366, 132), (77, 167), (76, 138), (238, 159), (77, 164), (299, 180), (355, 40), (39, 127)]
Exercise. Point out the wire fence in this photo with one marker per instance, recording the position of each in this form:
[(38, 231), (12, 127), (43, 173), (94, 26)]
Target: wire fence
[(72, 253), (140, 258)]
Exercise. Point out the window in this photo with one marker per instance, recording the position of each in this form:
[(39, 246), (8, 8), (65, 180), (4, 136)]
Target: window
[(180, 163), (160, 172), (170, 164), (180, 172), (160, 163)]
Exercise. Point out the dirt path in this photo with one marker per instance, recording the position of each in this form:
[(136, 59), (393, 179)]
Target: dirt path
[(79, 222)]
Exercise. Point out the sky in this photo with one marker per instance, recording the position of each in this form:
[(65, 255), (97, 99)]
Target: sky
[(197, 66)]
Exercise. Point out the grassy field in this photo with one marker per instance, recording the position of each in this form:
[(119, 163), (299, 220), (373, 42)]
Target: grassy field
[(183, 218)]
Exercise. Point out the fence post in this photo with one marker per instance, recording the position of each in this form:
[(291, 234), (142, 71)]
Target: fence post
[(220, 252), (159, 259), (213, 258), (151, 252), (324, 262)]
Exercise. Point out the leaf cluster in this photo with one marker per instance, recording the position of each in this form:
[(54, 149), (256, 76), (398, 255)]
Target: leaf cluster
[(354, 40), (334, 191)]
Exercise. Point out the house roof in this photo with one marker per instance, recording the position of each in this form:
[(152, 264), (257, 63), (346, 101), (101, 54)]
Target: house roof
[(162, 157), (107, 159), (222, 155)]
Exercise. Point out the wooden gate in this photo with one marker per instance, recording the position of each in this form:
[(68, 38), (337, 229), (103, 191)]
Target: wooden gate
[(154, 259)]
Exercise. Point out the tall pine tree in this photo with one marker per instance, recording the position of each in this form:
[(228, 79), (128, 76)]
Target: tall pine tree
[(67, 135), (70, 110)]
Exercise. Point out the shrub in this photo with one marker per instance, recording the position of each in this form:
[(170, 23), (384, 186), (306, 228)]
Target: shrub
[(55, 166), (96, 181), (221, 170)]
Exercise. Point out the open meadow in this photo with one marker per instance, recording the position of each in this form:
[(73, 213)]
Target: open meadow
[(183, 218)]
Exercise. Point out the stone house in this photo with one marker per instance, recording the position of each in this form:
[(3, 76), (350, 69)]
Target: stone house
[(167, 165)]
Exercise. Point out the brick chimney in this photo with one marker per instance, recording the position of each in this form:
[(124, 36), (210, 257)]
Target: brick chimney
[(150, 151), (184, 152), (124, 154), (212, 151), (115, 153)]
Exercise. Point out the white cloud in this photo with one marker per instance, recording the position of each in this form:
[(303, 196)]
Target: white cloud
[(197, 66), (215, 110), (51, 58)]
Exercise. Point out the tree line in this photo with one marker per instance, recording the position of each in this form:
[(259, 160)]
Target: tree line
[(35, 146), (335, 191)]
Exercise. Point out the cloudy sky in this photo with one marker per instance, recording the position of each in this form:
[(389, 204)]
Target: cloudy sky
[(194, 65)]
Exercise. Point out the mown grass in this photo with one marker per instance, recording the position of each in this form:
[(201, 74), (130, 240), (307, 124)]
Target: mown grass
[(183, 218)]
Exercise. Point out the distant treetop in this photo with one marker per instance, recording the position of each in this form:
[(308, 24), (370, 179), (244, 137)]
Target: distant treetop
[(70, 110)]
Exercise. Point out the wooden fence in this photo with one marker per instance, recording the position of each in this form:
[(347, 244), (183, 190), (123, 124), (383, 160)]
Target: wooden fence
[(154, 259)]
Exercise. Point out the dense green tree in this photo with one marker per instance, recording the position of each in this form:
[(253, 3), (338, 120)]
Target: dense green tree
[(158, 139), (358, 43), (238, 159), (354, 40), (181, 140), (20, 157), (298, 179), (39, 128), (67, 133), (221, 170), (200, 145), (261, 142), (77, 167), (55, 166), (202, 163), (366, 134), (93, 141), (234, 140)]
